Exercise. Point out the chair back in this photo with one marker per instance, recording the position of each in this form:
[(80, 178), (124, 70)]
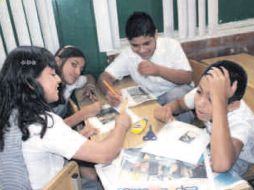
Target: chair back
[(67, 179)]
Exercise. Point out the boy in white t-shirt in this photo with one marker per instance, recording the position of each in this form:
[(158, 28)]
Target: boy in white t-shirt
[(217, 101), (158, 64)]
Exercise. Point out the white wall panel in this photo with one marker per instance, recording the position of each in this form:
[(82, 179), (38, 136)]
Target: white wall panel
[(7, 27), (20, 22), (33, 23)]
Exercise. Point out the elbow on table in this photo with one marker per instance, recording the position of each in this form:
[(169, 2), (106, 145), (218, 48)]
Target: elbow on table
[(222, 166)]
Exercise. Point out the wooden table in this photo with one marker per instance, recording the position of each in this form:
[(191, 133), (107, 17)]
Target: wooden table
[(144, 110)]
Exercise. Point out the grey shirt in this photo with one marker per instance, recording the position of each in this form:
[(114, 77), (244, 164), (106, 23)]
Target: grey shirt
[(13, 171)]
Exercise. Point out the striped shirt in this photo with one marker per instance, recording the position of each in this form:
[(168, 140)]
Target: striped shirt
[(13, 171)]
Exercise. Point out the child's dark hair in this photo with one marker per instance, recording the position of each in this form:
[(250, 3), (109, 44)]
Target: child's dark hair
[(63, 54), (236, 73), (139, 24), (67, 52), (21, 91)]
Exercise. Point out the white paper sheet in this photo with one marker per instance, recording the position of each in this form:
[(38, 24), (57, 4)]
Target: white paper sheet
[(136, 95), (180, 141), (105, 120)]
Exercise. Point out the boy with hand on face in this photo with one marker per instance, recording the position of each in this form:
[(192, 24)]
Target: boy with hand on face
[(217, 101), (156, 63)]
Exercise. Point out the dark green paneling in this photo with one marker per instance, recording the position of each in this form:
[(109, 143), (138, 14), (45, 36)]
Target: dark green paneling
[(126, 7), (76, 23), (76, 26), (234, 10)]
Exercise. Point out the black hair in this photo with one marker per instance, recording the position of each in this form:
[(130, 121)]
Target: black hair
[(139, 24), (63, 54), (236, 73), (67, 52), (20, 90)]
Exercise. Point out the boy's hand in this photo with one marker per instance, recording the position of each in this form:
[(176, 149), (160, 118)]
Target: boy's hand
[(220, 84), (90, 92), (163, 113), (147, 68), (113, 99)]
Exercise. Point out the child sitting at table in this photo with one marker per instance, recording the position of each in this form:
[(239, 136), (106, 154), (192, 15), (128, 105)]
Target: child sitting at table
[(71, 62), (217, 101), (158, 64), (28, 84)]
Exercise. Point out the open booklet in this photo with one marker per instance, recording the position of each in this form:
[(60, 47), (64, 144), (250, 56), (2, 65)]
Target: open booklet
[(179, 140), (136, 95), (134, 170), (105, 120)]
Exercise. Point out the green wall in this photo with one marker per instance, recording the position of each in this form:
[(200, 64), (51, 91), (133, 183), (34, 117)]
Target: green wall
[(234, 10), (152, 7), (76, 23), (76, 26)]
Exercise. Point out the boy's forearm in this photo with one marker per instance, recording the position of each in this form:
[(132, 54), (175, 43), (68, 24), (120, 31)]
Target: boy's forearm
[(175, 75), (177, 106), (222, 148)]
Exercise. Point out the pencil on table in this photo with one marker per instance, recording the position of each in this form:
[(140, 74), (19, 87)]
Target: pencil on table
[(110, 88)]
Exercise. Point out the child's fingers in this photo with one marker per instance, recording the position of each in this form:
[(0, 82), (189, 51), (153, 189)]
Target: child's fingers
[(87, 124), (123, 105)]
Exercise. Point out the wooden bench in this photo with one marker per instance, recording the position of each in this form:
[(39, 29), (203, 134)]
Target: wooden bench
[(67, 179)]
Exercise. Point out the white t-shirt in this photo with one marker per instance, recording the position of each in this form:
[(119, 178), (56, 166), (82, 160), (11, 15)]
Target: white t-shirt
[(168, 53), (241, 126), (61, 109), (44, 157), (79, 83)]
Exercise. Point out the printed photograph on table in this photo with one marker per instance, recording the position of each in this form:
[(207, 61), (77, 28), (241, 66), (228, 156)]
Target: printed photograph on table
[(148, 167), (134, 169), (188, 137), (181, 139), (107, 114), (105, 120), (136, 95)]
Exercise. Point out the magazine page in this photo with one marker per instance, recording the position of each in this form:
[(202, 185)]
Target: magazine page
[(108, 175), (180, 141), (226, 180), (135, 169), (105, 120), (229, 180), (136, 95)]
